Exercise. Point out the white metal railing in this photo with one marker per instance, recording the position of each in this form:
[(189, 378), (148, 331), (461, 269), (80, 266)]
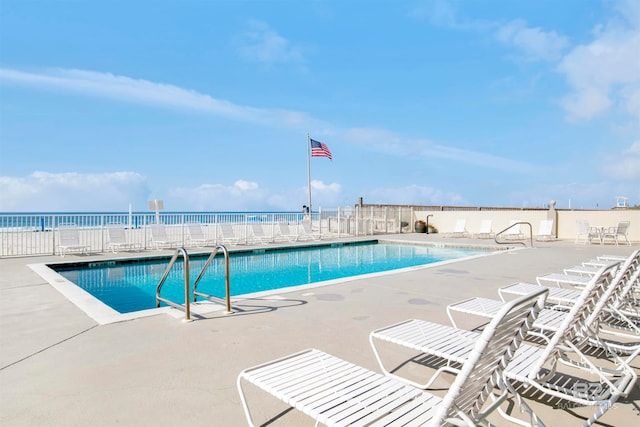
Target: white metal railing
[(37, 234)]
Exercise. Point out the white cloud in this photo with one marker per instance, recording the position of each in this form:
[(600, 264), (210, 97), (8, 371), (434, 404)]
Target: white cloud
[(443, 13), (533, 43), (250, 196), (127, 89), (241, 196), (606, 72), (625, 166), (107, 192), (413, 194), (394, 144), (263, 44)]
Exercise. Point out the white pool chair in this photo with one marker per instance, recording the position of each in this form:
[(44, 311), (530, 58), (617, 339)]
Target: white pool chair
[(485, 231), (603, 292), (513, 232), (545, 230), (616, 233), (586, 233), (335, 392), (159, 238), (619, 310), (197, 237), (285, 234), (118, 239), (258, 234), (536, 368), (307, 232), (69, 240), (460, 229), (227, 234)]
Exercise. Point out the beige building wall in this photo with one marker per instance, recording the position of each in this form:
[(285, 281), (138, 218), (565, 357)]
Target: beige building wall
[(445, 221)]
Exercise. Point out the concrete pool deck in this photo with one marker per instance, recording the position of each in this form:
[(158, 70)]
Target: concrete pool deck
[(60, 367)]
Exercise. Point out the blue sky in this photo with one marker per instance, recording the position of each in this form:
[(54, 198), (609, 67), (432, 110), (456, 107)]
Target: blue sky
[(207, 104)]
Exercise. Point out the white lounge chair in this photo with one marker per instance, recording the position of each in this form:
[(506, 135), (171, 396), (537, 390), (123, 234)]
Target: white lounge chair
[(545, 230), (159, 238), (258, 235), (616, 233), (586, 233), (335, 392), (603, 291), (616, 319), (197, 237), (513, 232), (460, 229), (227, 234), (307, 232), (285, 233), (118, 239), (69, 240), (535, 367), (485, 231)]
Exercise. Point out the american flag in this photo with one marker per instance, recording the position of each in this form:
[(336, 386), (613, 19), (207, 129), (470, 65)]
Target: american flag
[(319, 149)]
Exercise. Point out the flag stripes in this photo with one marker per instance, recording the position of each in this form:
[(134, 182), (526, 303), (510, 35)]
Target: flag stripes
[(319, 149)]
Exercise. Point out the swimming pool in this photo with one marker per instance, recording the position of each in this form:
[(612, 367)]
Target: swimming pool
[(129, 285)]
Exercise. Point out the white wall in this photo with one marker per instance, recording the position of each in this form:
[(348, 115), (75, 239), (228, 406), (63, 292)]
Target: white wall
[(445, 221)]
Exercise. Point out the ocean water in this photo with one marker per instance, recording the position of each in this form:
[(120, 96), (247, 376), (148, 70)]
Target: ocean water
[(46, 221)]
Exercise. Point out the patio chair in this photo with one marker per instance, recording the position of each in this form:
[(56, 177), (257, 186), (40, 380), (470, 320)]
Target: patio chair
[(545, 230), (258, 234), (460, 229), (533, 367), (485, 231), (617, 232), (513, 232), (227, 234), (335, 392), (159, 238), (197, 237), (620, 317), (603, 291), (307, 232), (586, 233), (69, 240), (284, 233), (118, 239)]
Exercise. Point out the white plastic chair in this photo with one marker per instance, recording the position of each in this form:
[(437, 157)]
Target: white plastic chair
[(69, 240), (486, 231), (118, 239), (586, 233), (227, 234), (536, 368), (159, 238), (545, 230), (197, 237), (460, 229), (335, 392), (617, 232)]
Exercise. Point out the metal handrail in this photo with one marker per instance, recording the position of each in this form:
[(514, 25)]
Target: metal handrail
[(186, 306), (516, 241), (225, 252)]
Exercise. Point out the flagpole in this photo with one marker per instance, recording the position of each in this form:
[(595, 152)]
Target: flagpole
[(309, 170)]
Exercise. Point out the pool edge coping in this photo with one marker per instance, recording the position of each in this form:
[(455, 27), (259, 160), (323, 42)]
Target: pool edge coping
[(104, 314)]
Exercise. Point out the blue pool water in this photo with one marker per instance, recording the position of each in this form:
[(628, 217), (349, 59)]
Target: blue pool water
[(130, 285)]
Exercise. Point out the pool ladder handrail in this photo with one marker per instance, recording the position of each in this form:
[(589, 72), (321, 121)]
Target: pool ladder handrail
[(516, 241), (195, 292), (186, 306)]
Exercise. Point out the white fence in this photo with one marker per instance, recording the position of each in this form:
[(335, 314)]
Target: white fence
[(39, 234)]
